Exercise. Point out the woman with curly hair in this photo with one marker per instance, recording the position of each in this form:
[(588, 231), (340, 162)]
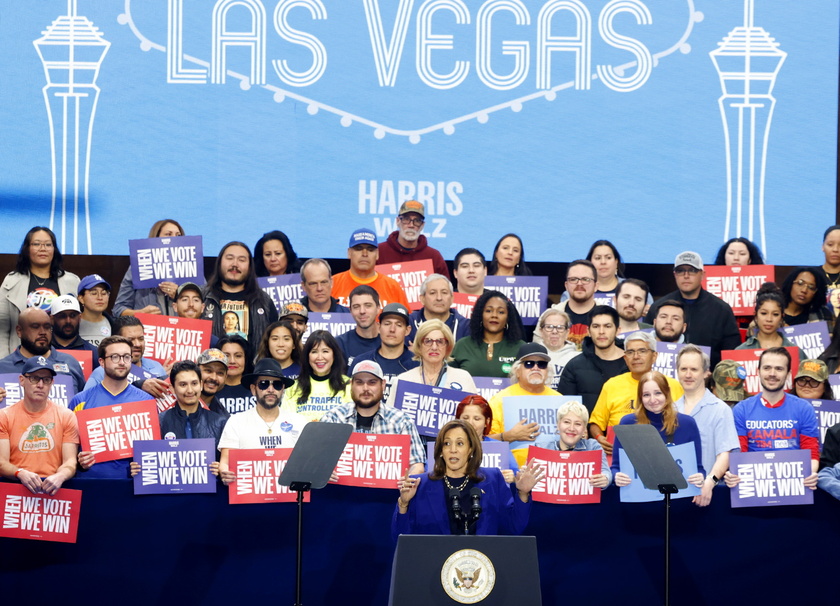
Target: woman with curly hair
[(495, 337)]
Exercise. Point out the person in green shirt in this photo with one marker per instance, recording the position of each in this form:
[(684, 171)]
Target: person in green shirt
[(496, 334)]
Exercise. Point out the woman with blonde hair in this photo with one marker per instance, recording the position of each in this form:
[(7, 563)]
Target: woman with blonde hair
[(432, 347)]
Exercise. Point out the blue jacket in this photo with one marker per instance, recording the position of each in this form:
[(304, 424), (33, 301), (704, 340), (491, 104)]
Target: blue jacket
[(205, 424), (503, 510)]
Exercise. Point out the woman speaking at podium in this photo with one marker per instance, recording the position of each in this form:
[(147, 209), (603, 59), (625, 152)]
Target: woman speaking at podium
[(458, 496)]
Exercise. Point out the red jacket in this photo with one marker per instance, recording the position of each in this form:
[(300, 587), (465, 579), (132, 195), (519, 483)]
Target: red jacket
[(390, 251)]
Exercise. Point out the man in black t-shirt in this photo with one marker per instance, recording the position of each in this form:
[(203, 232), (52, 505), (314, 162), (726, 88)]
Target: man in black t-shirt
[(581, 283)]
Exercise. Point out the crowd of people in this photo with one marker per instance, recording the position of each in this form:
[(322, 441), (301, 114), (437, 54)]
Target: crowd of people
[(264, 375)]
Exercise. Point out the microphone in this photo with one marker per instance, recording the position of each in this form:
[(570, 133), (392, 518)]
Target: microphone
[(475, 500), (455, 503)]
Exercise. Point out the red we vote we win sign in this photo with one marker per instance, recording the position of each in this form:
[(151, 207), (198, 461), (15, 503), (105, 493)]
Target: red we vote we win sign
[(109, 431), (373, 460), (748, 358), (410, 276), (169, 338), (738, 284), (37, 516), (257, 471), (567, 475)]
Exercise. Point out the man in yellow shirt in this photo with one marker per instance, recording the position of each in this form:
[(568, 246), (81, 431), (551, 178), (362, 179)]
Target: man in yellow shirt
[(618, 396), (530, 374)]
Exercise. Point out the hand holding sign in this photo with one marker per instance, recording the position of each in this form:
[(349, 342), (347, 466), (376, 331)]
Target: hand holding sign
[(696, 479), (522, 431), (607, 446), (86, 459), (168, 288), (31, 480), (731, 479)]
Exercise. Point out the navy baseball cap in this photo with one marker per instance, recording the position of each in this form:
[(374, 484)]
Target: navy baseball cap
[(91, 281), (363, 236)]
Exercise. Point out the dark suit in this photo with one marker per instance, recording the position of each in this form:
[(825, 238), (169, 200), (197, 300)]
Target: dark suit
[(502, 511)]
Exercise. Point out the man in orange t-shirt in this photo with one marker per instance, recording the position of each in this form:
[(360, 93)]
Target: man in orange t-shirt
[(39, 440), (363, 254)]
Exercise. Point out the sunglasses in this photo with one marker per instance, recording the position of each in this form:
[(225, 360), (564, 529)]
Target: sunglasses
[(541, 364), (277, 384)]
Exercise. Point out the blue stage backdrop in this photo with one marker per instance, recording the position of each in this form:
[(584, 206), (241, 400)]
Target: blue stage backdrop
[(660, 124)]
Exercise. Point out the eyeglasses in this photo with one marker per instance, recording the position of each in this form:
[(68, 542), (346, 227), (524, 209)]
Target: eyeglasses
[(319, 284), (580, 280), (807, 382), (263, 384), (632, 353), (801, 283), (434, 342), (117, 358), (686, 271), (541, 364), (44, 245), (555, 327), (35, 380), (416, 221)]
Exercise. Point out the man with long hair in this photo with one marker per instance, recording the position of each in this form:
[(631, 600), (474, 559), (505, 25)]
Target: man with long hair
[(233, 289)]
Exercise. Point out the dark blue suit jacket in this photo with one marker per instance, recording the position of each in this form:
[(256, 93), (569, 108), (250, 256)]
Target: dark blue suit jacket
[(503, 512)]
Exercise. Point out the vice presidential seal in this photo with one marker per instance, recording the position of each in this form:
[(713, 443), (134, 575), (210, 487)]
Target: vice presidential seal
[(468, 576)]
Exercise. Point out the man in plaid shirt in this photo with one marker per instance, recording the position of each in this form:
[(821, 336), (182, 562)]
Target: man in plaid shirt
[(368, 414)]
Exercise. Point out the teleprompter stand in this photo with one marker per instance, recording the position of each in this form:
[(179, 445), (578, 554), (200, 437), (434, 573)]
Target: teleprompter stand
[(312, 461), (658, 471)]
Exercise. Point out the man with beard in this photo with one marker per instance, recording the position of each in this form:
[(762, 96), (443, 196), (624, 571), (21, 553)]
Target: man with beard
[(775, 420), (189, 303), (66, 315), (367, 414), (437, 298), (34, 329), (618, 396), (39, 440), (630, 301), (213, 368), (669, 323), (581, 283), (232, 298), (297, 315), (153, 381), (115, 355), (530, 376), (710, 319), (602, 357), (265, 425), (364, 306), (408, 243)]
